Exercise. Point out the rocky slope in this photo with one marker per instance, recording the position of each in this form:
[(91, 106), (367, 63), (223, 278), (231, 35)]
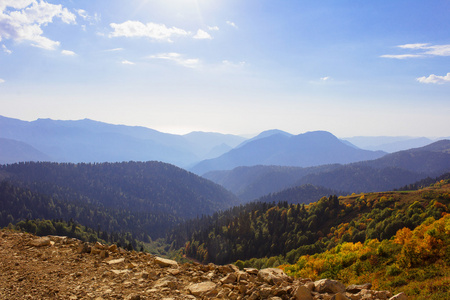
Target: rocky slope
[(62, 268)]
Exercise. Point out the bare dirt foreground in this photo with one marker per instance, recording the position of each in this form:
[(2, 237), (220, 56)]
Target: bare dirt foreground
[(62, 268)]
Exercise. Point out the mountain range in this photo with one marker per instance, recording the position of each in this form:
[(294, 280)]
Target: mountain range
[(91, 141), (385, 173), (282, 149)]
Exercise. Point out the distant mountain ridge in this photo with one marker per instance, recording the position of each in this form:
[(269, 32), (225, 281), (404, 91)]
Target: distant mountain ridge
[(92, 141), (279, 148), (388, 172)]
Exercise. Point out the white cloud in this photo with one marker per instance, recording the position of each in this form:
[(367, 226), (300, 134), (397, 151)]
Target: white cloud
[(114, 50), (127, 62), (202, 35), (151, 30), (178, 58), (325, 78), (413, 46), (68, 53), (6, 50), (401, 56), (25, 19), (213, 28), (435, 79), (423, 49), (2, 81), (232, 24)]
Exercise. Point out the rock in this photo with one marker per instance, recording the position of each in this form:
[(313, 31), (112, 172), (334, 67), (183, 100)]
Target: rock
[(340, 296), (251, 271), (104, 254), (168, 281), (40, 242), (203, 288), (113, 248), (302, 293), (163, 262), (310, 286), (354, 289), (230, 278), (116, 261), (84, 248), (401, 296), (272, 275), (329, 286)]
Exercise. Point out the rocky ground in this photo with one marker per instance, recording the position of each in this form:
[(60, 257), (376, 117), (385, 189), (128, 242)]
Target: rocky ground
[(62, 268)]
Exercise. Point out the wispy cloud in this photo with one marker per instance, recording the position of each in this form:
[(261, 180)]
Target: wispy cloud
[(178, 58), (6, 50), (401, 56), (422, 50), (202, 35), (2, 81), (23, 21), (231, 64), (326, 78), (127, 62), (435, 79), (90, 19), (113, 50), (232, 24), (68, 53), (213, 28), (154, 31)]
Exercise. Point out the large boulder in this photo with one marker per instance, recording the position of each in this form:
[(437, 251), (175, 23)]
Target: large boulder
[(272, 275), (302, 293), (202, 288), (329, 286)]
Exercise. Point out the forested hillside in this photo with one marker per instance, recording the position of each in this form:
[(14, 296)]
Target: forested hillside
[(287, 231), (142, 198)]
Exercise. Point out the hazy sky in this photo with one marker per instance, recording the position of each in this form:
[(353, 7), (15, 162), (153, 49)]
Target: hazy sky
[(232, 66)]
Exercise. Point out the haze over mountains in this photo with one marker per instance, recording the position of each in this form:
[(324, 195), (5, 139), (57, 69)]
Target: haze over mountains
[(385, 173), (278, 148), (200, 152), (92, 141)]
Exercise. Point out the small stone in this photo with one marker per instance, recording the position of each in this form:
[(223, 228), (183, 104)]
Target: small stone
[(400, 296), (163, 262), (116, 261), (353, 288), (40, 242), (340, 296)]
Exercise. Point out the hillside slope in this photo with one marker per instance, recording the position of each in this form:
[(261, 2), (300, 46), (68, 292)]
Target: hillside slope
[(12, 151), (57, 267), (143, 198)]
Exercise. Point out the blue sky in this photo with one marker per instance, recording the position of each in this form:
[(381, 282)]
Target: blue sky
[(232, 66)]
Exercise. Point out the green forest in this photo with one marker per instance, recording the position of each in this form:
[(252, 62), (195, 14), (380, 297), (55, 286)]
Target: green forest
[(144, 199)]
